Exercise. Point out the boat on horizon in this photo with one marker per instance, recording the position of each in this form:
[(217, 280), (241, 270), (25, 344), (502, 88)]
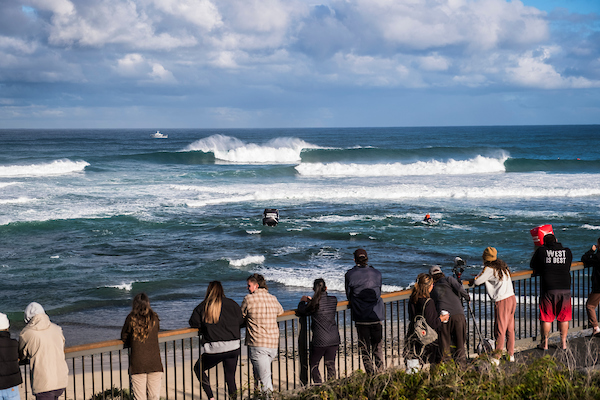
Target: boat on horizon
[(159, 135)]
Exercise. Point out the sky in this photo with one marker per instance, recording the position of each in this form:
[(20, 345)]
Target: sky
[(160, 64)]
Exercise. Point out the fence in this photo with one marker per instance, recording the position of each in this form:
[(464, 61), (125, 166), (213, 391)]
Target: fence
[(95, 368)]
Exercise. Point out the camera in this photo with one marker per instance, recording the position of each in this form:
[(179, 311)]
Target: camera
[(459, 267)]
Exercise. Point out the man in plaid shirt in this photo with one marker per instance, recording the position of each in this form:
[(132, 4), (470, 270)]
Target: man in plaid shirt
[(260, 310)]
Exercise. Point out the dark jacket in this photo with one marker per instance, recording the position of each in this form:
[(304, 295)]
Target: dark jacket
[(228, 327), (145, 356), (325, 331), (447, 292), (363, 291), (414, 347), (10, 373), (553, 264), (592, 259)]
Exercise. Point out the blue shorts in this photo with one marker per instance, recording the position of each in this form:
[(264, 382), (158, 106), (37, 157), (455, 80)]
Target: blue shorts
[(10, 393)]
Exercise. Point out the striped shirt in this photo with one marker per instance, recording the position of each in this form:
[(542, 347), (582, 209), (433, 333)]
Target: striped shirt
[(260, 310)]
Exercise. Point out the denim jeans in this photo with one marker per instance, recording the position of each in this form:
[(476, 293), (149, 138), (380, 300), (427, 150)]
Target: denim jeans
[(10, 393), (261, 359)]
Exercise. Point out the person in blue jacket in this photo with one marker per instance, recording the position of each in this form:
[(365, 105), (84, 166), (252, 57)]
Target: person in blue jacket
[(363, 291)]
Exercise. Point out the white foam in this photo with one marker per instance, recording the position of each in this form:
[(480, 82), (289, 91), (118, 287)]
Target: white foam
[(57, 167), (248, 260), (5, 184), (226, 148), (253, 232), (54, 257), (590, 227), (123, 286), (477, 165), (20, 200)]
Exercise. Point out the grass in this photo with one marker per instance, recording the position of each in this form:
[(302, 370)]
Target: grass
[(545, 378)]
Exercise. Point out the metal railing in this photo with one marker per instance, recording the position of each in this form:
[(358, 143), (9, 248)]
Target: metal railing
[(97, 367)]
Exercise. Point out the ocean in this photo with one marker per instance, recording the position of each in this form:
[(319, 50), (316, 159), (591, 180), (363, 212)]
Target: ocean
[(89, 218)]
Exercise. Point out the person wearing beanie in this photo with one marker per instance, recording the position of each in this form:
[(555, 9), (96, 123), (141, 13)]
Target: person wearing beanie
[(496, 277), (363, 291), (43, 344), (447, 294), (552, 262), (10, 373)]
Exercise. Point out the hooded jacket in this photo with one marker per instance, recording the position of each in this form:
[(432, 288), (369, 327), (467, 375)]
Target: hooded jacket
[(553, 263), (10, 373), (43, 343), (363, 291)]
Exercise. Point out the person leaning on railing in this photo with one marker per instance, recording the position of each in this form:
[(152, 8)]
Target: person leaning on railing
[(420, 303), (260, 310), (140, 332), (43, 344), (10, 372), (325, 334), (363, 291), (218, 319), (552, 262), (592, 258), (496, 276)]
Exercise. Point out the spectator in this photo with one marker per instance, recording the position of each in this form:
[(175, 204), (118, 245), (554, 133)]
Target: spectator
[(447, 294), (552, 262), (43, 344), (325, 334), (260, 310), (363, 290), (10, 373), (592, 258), (140, 333), (219, 320), (420, 304), (496, 276)]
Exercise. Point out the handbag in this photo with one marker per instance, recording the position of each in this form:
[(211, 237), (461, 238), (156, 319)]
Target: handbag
[(424, 333)]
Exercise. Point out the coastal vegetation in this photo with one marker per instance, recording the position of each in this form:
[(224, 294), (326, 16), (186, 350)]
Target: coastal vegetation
[(545, 378)]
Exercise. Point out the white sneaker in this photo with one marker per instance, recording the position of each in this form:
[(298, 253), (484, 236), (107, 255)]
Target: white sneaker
[(511, 359), (494, 361)]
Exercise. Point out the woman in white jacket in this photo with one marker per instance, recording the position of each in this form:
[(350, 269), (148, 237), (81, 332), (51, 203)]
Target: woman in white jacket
[(496, 277)]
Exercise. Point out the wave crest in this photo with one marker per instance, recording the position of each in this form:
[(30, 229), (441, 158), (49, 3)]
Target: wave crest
[(284, 150), (477, 165), (57, 167)]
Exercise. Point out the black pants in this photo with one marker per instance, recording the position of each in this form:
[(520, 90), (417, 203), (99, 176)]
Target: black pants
[(316, 353), (229, 359), (455, 330), (370, 344)]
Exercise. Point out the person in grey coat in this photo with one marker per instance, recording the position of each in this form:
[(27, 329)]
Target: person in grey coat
[(363, 291), (325, 334)]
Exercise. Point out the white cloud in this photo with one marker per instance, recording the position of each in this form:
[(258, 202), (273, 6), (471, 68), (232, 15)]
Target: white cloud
[(434, 62), (18, 45), (202, 13), (533, 69), (160, 74)]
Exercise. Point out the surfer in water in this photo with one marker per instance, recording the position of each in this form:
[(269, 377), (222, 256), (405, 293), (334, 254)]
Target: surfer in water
[(427, 218)]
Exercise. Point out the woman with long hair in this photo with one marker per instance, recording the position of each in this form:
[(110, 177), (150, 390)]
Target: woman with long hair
[(325, 334), (420, 303), (219, 320), (496, 276), (140, 333)]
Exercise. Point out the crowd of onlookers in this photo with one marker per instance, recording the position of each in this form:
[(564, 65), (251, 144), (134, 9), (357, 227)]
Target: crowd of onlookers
[(436, 300)]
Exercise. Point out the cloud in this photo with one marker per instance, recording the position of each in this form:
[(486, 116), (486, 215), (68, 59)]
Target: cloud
[(533, 69), (135, 66)]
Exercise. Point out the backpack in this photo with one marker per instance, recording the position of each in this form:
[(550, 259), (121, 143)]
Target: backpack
[(423, 333)]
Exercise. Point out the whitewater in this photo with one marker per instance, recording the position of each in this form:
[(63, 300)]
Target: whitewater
[(89, 218)]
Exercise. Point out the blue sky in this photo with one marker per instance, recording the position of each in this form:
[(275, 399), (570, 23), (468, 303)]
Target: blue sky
[(162, 64)]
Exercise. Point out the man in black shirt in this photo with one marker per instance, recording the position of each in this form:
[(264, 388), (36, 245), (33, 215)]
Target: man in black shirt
[(552, 262)]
